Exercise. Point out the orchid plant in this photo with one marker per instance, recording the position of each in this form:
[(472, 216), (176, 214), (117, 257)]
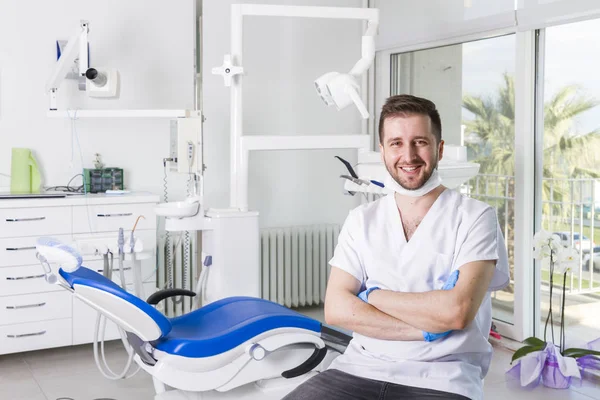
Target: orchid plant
[(542, 360)]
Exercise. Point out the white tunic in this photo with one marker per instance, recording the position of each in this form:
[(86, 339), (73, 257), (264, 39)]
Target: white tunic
[(373, 248)]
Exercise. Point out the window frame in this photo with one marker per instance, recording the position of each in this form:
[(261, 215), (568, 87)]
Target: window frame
[(527, 165)]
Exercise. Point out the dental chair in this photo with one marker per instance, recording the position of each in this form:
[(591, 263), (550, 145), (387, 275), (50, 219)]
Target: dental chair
[(234, 348)]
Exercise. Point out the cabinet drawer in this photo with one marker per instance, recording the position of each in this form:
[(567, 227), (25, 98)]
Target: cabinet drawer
[(21, 250), (35, 221), (25, 280), (35, 335), (35, 307), (109, 218)]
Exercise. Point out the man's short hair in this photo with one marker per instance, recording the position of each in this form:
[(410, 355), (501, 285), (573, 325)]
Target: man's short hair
[(404, 105)]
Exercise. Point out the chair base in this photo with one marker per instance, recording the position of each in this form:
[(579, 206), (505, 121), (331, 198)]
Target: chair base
[(270, 389)]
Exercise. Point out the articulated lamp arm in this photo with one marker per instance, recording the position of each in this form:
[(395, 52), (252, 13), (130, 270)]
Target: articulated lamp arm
[(77, 47), (367, 50)]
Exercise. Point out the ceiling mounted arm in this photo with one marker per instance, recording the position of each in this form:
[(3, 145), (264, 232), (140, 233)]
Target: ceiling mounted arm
[(367, 50)]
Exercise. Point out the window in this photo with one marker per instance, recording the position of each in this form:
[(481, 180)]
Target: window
[(472, 85), (571, 169)]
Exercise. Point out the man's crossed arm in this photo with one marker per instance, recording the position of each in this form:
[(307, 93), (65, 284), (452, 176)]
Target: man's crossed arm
[(405, 316)]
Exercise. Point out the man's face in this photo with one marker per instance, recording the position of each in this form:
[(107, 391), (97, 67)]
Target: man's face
[(409, 149)]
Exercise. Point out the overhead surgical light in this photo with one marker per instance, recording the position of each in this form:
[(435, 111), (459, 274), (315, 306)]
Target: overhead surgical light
[(336, 89), (341, 90)]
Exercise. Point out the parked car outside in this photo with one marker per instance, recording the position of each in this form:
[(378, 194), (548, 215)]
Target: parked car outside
[(586, 259), (580, 242)]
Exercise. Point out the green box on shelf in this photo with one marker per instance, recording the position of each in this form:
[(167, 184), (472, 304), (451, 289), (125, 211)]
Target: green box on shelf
[(101, 180)]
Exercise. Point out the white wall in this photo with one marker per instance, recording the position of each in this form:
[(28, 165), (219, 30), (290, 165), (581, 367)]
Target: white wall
[(150, 42), (410, 22), (282, 57)]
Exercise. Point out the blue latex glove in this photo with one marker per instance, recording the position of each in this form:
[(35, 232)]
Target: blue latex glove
[(430, 337), (364, 295), (450, 283)]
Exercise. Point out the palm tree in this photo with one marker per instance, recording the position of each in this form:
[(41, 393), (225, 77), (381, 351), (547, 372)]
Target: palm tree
[(567, 154)]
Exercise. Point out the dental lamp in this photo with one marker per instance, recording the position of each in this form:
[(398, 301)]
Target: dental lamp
[(341, 90), (334, 88)]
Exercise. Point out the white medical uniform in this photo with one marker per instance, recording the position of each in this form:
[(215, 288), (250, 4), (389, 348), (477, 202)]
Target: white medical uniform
[(373, 248)]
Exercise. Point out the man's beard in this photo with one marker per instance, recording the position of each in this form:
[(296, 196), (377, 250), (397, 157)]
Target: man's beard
[(409, 185)]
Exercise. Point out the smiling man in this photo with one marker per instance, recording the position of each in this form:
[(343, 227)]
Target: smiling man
[(411, 277)]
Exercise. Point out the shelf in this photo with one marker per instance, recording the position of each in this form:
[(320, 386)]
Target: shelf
[(122, 113)]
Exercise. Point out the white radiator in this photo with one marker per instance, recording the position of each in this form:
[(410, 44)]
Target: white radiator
[(294, 263)]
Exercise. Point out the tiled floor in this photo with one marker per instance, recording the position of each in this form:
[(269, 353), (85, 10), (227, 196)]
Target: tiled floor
[(71, 373)]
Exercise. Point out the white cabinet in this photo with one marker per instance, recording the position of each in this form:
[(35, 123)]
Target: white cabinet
[(36, 315), (21, 221)]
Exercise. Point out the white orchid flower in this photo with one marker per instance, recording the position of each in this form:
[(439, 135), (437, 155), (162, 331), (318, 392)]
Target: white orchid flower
[(556, 243), (567, 259), (542, 236), (541, 253), (543, 244)]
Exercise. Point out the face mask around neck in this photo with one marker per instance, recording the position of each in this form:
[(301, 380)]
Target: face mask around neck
[(433, 182)]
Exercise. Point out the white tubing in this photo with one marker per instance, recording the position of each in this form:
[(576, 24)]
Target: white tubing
[(103, 367)]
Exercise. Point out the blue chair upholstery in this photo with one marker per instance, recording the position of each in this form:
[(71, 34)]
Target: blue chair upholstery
[(210, 330), (227, 323)]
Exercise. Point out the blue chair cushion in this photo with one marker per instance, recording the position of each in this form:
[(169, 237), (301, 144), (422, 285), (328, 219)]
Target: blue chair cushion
[(226, 324), (87, 277)]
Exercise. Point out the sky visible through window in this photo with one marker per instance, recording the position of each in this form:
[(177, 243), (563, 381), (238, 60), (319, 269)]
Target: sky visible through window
[(572, 58)]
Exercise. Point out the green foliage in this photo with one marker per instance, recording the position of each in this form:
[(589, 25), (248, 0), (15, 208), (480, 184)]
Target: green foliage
[(533, 341), (566, 153), (535, 344), (576, 353), (523, 351)]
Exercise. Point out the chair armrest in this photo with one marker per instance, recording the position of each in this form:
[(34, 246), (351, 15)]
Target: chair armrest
[(156, 297)]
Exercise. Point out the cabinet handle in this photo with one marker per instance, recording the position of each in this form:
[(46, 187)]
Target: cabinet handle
[(22, 335), (20, 278), (114, 269), (20, 248), (114, 215), (25, 306), (25, 219)]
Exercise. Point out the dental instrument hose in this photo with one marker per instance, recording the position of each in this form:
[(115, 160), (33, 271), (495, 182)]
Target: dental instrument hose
[(101, 325), (168, 255), (186, 245)]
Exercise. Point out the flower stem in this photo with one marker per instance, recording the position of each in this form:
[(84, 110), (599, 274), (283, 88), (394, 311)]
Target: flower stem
[(563, 341), (550, 317)]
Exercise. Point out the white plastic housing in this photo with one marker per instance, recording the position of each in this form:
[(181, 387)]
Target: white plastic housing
[(233, 245), (110, 89)]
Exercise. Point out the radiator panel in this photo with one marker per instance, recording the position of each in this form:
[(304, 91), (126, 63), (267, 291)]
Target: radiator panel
[(294, 263)]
